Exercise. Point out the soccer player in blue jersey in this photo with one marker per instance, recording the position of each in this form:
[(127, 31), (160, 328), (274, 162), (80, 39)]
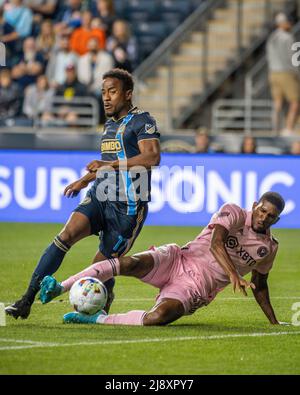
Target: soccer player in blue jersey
[(115, 206)]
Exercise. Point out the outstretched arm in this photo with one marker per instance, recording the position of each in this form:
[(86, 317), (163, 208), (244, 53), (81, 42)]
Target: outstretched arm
[(217, 248), (261, 294)]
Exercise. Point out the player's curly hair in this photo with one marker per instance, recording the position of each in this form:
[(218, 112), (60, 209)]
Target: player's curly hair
[(121, 75), (275, 198)]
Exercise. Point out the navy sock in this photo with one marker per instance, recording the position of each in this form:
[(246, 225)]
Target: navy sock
[(48, 264)]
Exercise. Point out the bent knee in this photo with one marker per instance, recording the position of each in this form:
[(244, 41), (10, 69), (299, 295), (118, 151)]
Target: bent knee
[(155, 318), (163, 314), (69, 236)]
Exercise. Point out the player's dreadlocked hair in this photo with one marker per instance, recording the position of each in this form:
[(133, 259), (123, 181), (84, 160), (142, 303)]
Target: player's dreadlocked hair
[(274, 198), (121, 75)]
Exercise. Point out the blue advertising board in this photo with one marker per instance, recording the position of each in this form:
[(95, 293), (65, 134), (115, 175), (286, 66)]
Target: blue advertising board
[(186, 189)]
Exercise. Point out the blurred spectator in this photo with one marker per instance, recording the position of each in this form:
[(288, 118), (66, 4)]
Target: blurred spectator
[(248, 145), (20, 17), (295, 148), (68, 17), (7, 31), (10, 96), (41, 9), (8, 36), (93, 65), (202, 142), (30, 66), (72, 87), (46, 8), (283, 76), (70, 12), (105, 12), (38, 98), (123, 46), (60, 58), (81, 36), (46, 39)]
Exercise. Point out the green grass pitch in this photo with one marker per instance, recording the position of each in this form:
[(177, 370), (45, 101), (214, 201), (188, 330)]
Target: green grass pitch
[(230, 336)]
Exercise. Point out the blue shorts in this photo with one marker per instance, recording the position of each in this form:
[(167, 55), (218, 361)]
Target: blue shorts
[(117, 230)]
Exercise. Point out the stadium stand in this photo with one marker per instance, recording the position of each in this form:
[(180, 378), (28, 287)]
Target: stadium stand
[(55, 34), (196, 63)]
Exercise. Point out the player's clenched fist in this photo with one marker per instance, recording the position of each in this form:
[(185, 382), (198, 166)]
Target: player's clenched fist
[(93, 166), (73, 189)]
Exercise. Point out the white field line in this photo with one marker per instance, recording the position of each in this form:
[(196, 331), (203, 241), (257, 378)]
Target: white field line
[(150, 340), (4, 340), (29, 344), (153, 299)]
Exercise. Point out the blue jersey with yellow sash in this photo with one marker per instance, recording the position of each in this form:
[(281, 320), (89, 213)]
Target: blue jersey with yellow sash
[(129, 188)]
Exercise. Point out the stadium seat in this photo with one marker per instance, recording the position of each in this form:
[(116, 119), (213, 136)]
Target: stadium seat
[(196, 3), (156, 29), (147, 6), (172, 15), (171, 20), (137, 16), (147, 44), (149, 35), (120, 6), (153, 20), (178, 6)]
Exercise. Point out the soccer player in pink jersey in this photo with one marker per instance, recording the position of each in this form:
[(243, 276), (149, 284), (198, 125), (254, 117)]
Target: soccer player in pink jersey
[(234, 243)]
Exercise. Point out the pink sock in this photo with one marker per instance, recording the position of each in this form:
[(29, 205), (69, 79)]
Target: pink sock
[(134, 317), (103, 270)]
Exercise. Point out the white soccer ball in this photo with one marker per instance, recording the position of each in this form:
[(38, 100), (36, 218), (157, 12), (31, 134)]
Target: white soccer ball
[(88, 295)]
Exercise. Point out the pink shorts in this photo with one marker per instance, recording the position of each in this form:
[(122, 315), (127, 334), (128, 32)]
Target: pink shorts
[(173, 279)]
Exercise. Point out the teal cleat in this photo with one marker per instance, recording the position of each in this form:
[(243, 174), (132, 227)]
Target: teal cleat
[(79, 318), (50, 289)]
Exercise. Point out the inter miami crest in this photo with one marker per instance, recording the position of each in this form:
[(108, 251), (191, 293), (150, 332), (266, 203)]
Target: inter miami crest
[(262, 251)]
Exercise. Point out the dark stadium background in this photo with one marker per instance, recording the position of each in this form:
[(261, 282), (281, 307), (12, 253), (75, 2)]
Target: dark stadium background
[(201, 69)]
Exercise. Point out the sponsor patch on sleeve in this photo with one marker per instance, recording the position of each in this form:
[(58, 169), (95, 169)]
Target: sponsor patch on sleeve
[(150, 128)]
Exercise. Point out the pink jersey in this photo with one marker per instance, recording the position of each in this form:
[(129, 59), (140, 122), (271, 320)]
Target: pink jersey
[(247, 249), (192, 275)]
